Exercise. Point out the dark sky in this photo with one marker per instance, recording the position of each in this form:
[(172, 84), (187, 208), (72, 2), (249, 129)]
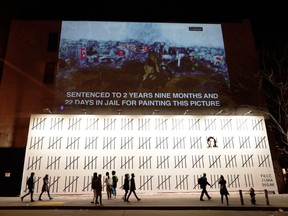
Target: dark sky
[(269, 20)]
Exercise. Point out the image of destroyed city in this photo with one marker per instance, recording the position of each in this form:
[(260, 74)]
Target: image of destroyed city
[(142, 57)]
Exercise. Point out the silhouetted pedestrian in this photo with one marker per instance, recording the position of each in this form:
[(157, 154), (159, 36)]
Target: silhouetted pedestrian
[(30, 185), (45, 187), (132, 188), (203, 184), (126, 186), (93, 186), (223, 189), (114, 183), (99, 190)]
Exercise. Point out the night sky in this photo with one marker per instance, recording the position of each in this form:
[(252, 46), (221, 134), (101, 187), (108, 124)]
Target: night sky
[(269, 20)]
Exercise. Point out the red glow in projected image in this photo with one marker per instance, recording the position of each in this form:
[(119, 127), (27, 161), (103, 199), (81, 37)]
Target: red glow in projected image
[(142, 64)]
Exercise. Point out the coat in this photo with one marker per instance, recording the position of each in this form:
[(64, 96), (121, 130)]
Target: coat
[(223, 188)]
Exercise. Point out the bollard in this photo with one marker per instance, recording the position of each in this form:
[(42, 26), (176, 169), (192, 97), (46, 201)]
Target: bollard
[(241, 197), (252, 195), (266, 197)]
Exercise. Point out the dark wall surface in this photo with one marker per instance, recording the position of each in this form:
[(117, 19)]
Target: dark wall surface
[(11, 163)]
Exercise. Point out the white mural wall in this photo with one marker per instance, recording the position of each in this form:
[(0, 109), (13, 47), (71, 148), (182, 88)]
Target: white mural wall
[(167, 153)]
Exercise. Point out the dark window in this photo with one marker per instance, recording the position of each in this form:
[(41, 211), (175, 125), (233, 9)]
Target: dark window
[(49, 73), (53, 42)]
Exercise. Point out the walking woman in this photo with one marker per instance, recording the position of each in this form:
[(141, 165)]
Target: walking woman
[(45, 187), (223, 189)]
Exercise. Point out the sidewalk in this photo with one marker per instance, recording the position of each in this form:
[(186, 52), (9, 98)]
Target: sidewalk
[(163, 201)]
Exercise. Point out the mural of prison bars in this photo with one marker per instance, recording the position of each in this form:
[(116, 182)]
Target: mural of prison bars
[(166, 153)]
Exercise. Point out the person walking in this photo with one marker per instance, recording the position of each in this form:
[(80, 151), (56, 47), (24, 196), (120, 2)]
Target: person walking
[(114, 183), (45, 187), (30, 184), (203, 184), (223, 189), (126, 186), (99, 190), (93, 186), (132, 188)]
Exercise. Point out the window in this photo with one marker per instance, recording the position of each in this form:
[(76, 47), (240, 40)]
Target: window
[(53, 42), (49, 72)]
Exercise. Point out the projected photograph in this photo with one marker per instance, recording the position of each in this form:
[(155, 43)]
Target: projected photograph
[(142, 62)]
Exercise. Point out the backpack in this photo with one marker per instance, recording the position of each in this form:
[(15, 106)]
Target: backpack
[(116, 178), (200, 181)]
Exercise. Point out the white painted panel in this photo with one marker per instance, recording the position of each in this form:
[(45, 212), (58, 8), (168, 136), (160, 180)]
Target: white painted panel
[(167, 153)]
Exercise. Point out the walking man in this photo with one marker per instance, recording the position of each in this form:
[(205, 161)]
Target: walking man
[(30, 185), (203, 184), (132, 188)]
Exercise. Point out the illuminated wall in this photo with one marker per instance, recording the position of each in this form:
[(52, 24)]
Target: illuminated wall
[(167, 153)]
